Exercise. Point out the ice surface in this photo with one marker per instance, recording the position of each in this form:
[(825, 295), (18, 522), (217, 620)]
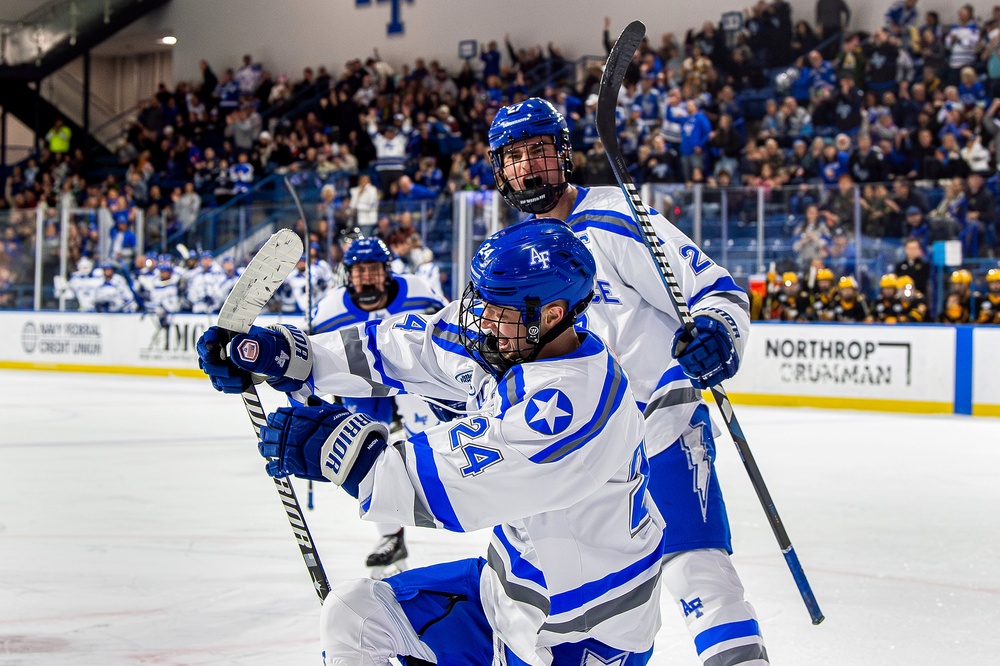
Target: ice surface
[(137, 527)]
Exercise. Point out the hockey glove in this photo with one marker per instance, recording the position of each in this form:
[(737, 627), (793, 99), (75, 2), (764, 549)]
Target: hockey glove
[(282, 354), (322, 443), (225, 376), (711, 356)]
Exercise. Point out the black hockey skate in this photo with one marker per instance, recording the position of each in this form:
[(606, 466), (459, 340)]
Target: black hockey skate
[(389, 556)]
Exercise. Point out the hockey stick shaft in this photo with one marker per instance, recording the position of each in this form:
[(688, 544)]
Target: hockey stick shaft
[(309, 293), (614, 72), (261, 278)]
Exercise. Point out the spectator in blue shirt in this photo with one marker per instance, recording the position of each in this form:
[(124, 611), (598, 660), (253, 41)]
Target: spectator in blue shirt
[(970, 88), (409, 195), (695, 133), (491, 57)]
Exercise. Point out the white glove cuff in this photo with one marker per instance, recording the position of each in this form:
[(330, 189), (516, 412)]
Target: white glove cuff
[(341, 448), (300, 364)]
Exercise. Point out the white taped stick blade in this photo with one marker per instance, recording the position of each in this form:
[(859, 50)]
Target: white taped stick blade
[(261, 278)]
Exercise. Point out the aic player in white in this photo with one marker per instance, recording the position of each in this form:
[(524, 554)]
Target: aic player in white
[(532, 161), (550, 457), (374, 292)]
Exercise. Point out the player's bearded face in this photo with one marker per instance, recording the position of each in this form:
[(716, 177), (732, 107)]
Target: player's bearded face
[(532, 162)]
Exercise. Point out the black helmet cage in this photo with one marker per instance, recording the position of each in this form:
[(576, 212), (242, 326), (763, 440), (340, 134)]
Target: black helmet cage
[(484, 345), (536, 195)]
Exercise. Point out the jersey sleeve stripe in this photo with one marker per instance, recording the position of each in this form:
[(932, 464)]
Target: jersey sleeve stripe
[(673, 398), (739, 300), (437, 497), (612, 393), (519, 566), (630, 600), (724, 283), (447, 338), (588, 592), (422, 516), (513, 591), (725, 632), (357, 362), (374, 351)]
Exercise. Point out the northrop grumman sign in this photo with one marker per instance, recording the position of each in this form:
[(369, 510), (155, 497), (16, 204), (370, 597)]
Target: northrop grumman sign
[(840, 361), (848, 363)]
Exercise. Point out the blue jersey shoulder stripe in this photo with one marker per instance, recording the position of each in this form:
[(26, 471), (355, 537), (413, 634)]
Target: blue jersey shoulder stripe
[(519, 566), (378, 366), (511, 389), (434, 490), (448, 337), (724, 283), (588, 592), (615, 386), (609, 221), (417, 303)]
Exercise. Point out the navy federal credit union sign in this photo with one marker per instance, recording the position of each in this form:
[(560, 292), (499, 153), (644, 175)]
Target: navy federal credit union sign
[(395, 24)]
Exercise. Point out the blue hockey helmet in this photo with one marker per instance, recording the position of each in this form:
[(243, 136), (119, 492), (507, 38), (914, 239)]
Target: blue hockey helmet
[(165, 266), (524, 268), (362, 251), (536, 188)]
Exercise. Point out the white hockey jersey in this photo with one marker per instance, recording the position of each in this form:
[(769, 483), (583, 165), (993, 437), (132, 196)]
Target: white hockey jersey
[(633, 312), (553, 462), (164, 295), (412, 294), (114, 295), (202, 288), (83, 285)]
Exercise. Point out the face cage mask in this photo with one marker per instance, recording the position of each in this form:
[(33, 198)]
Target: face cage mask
[(369, 294), (536, 195), (484, 346)]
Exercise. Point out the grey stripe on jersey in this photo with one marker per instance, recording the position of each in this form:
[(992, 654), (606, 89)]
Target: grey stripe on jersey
[(609, 220), (673, 398), (732, 297), (422, 516), (744, 655), (629, 600), (357, 363), (519, 593), (599, 420), (511, 391)]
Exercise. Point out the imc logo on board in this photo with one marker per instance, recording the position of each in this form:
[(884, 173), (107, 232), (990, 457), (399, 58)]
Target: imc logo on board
[(395, 24)]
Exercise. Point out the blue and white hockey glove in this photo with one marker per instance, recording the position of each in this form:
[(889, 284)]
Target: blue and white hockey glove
[(711, 357), (225, 376), (282, 354), (322, 443)]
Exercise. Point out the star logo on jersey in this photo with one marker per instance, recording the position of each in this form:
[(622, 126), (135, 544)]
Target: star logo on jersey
[(594, 659), (248, 350), (549, 412)]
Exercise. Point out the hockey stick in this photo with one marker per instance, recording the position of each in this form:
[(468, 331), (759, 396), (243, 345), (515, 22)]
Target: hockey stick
[(614, 72), (309, 294), (260, 279)]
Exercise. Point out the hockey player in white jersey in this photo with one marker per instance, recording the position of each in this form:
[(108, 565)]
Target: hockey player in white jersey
[(164, 293), (230, 275), (550, 457), (203, 285), (374, 292), (113, 294), (82, 284), (532, 161)]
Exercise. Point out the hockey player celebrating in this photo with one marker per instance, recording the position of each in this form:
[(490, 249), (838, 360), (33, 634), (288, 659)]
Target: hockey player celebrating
[(114, 294), (532, 162), (552, 459), (374, 292), (164, 295)]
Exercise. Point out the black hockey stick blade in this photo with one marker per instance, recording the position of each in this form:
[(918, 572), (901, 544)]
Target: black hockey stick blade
[(607, 102)]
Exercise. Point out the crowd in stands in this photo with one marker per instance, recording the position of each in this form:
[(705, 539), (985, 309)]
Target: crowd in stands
[(846, 130)]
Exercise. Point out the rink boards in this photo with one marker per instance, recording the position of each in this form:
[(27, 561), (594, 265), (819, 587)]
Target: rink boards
[(912, 368)]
